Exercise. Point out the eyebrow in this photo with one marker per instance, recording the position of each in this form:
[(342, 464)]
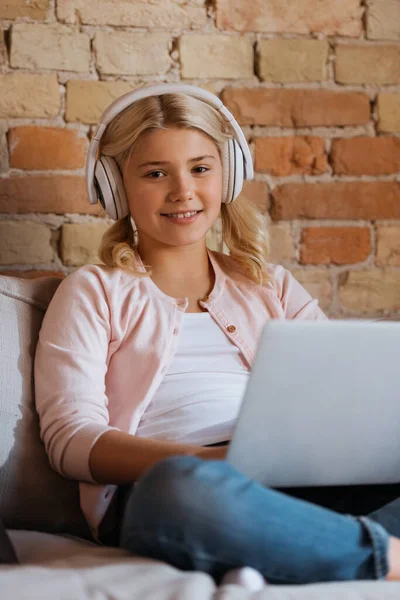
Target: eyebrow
[(165, 162)]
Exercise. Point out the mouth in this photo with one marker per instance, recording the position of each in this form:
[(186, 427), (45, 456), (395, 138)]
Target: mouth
[(182, 215)]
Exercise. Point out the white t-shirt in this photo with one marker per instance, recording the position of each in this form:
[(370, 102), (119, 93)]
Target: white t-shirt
[(199, 398)]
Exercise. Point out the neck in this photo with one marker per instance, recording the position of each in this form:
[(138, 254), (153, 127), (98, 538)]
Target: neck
[(176, 262), (180, 272)]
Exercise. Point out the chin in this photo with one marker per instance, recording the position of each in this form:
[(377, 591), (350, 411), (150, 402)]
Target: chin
[(185, 240)]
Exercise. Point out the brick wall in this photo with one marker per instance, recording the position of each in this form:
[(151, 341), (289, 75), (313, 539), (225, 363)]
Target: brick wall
[(316, 89)]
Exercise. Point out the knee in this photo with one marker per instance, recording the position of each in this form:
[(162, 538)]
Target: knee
[(177, 475), (159, 499), (175, 488), (169, 505), (167, 484), (180, 502)]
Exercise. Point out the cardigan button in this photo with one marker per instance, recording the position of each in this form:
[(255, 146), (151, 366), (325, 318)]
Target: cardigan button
[(231, 328)]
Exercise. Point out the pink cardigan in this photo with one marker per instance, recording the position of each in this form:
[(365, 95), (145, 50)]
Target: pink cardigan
[(106, 340)]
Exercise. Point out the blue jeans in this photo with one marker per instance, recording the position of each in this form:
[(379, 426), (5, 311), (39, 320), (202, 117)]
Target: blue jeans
[(205, 515)]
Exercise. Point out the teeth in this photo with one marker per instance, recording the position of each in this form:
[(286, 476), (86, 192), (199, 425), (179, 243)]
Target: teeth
[(183, 215)]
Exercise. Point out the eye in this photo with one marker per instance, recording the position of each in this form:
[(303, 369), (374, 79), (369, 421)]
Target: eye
[(154, 174), (201, 170)]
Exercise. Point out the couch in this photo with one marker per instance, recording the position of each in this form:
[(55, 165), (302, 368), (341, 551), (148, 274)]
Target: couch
[(57, 558)]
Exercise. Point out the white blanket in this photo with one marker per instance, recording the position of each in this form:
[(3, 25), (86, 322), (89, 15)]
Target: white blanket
[(60, 568)]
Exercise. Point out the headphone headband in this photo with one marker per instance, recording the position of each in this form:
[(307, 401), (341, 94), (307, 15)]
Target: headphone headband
[(120, 104)]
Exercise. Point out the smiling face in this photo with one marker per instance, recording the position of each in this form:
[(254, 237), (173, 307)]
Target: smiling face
[(173, 172)]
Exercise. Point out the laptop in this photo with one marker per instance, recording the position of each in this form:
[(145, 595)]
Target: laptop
[(322, 405)]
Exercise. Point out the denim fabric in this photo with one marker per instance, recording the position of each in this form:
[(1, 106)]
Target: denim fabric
[(205, 515), (389, 517)]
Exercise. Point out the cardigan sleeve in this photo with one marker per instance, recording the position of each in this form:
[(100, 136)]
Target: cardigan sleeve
[(69, 372), (296, 302)]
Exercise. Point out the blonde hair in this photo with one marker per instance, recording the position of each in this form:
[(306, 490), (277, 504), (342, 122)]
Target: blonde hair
[(243, 226)]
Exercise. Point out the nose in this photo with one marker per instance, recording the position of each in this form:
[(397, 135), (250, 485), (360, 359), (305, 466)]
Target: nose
[(182, 189)]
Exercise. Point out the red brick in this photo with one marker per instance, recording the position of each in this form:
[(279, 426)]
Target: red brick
[(46, 194), (297, 108), (282, 156), (332, 17), (341, 200), (46, 148), (32, 274), (366, 156), (337, 245)]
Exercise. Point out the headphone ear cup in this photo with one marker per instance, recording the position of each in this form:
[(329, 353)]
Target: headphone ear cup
[(110, 188), (238, 170), (226, 173), (233, 171)]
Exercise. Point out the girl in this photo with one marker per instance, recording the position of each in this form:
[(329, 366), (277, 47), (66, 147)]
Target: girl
[(142, 361)]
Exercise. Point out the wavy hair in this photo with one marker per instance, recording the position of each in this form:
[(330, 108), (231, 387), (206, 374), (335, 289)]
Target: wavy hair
[(243, 226)]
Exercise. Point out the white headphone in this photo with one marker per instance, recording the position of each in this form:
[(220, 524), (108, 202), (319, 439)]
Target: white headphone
[(104, 180)]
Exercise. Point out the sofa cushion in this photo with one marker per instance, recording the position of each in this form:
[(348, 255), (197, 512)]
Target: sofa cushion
[(32, 494)]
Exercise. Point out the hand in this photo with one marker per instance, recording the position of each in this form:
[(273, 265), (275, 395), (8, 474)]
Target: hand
[(213, 452)]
